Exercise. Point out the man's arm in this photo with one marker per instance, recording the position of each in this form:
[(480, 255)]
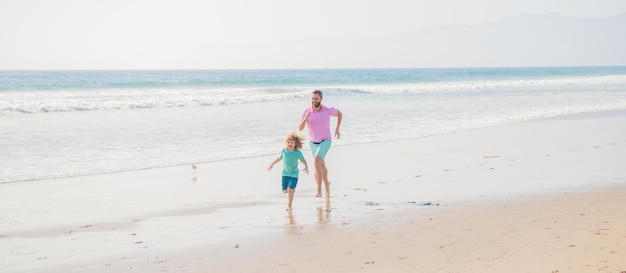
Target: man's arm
[(303, 121), (339, 116)]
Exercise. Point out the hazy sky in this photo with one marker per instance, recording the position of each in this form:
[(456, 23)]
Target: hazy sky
[(215, 34)]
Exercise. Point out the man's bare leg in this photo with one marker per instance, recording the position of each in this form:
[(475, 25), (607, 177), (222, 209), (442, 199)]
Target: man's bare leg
[(319, 174), (325, 179)]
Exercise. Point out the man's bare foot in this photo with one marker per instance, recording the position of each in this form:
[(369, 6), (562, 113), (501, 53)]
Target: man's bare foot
[(319, 194), (288, 209)]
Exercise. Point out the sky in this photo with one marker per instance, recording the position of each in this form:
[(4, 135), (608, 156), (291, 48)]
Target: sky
[(233, 34)]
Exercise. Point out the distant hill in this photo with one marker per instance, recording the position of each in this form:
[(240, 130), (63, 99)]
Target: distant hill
[(523, 40)]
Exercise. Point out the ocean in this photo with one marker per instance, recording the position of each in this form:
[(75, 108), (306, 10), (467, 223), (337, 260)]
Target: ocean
[(72, 123)]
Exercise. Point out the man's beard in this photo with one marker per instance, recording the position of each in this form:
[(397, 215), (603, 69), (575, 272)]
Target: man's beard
[(317, 104)]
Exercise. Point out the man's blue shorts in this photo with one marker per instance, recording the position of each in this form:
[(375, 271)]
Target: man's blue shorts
[(289, 182), (320, 149)]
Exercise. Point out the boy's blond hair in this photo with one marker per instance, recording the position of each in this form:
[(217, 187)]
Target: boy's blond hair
[(299, 139)]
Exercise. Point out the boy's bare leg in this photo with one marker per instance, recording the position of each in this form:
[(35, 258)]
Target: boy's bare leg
[(290, 194)]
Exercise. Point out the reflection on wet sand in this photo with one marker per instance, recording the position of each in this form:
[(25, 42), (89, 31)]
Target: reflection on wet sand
[(323, 218), (292, 220), (293, 228), (323, 213)]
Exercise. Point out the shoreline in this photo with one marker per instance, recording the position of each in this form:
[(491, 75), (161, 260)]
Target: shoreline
[(581, 115), (473, 199)]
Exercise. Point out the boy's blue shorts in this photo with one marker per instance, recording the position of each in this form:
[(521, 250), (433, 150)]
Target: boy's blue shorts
[(289, 182), (320, 149)]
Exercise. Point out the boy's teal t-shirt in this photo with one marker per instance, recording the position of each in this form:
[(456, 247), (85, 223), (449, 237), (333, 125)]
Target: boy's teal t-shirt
[(290, 162)]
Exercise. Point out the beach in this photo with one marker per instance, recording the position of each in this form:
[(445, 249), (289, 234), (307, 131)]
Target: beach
[(537, 196)]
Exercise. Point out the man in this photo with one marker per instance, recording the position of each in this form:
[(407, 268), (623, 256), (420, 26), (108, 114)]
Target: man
[(317, 119)]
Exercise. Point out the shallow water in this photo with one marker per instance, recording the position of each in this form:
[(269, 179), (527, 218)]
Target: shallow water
[(68, 123)]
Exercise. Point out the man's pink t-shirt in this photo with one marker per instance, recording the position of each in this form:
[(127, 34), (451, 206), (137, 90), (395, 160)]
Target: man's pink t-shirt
[(319, 123)]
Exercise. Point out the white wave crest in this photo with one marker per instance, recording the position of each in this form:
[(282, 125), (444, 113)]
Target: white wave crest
[(484, 85), (65, 101)]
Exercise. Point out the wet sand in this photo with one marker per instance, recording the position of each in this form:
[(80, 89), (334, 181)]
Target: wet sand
[(537, 196)]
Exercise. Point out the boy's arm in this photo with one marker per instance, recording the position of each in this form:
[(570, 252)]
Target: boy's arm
[(272, 165), (306, 167)]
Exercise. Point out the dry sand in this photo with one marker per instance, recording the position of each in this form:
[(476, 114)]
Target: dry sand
[(564, 232), (538, 196)]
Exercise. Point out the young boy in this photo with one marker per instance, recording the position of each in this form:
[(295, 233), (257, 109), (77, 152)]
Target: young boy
[(290, 156)]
